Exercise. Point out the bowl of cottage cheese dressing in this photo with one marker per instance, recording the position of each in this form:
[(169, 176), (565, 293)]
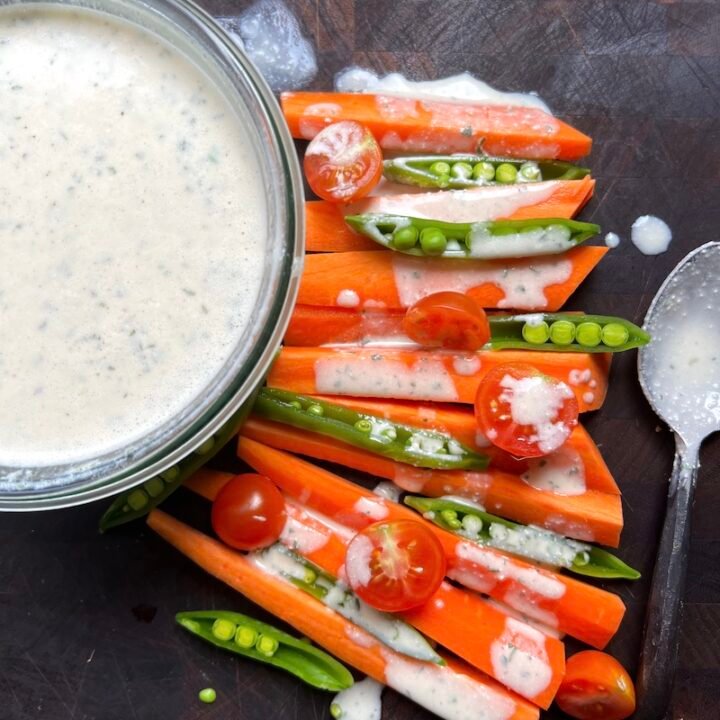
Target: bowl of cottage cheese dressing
[(150, 242)]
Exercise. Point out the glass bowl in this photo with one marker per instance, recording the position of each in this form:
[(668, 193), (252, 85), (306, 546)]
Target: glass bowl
[(196, 35)]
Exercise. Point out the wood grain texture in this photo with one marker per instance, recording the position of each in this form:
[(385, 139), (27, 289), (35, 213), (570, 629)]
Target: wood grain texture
[(642, 79)]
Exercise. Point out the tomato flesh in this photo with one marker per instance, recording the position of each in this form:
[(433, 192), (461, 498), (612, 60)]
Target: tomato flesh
[(596, 687), (395, 566), (449, 320), (249, 512), (343, 162), (524, 412)]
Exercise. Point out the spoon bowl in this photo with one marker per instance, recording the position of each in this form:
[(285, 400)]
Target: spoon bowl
[(679, 373)]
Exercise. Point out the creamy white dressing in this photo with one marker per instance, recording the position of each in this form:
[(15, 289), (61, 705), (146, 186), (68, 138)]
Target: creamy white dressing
[(471, 205), (347, 298), (579, 377), (301, 538), (546, 629), (342, 531), (650, 235), (501, 567), (612, 240), (371, 508), (466, 365), (463, 87), (570, 528), (519, 659), (535, 543), (445, 692), (548, 240), (372, 375), (388, 491), (134, 234), (561, 472), (536, 402), (270, 34), (361, 701), (523, 284)]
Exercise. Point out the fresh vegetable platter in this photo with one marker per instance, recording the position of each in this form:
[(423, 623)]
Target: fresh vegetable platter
[(355, 433)]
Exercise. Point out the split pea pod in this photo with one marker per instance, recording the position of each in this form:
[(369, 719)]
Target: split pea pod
[(405, 444), (487, 240), (139, 501), (472, 522), (457, 172), (264, 643), (564, 332)]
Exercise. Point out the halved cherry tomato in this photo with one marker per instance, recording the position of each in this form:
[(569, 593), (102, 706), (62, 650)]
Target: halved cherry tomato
[(249, 512), (395, 566), (343, 162), (596, 687), (523, 411), (448, 320)]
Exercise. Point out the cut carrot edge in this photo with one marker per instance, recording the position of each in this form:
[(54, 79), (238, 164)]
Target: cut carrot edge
[(444, 618), (581, 610), (438, 126), (311, 618), (421, 375), (371, 276), (327, 231), (461, 424)]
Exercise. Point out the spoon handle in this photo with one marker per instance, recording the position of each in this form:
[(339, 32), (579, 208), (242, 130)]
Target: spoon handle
[(661, 640)]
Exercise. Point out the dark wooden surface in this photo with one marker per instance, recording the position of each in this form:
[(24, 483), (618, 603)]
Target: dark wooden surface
[(86, 621)]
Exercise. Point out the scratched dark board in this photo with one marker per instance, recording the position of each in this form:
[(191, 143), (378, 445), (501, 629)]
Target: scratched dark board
[(86, 621)]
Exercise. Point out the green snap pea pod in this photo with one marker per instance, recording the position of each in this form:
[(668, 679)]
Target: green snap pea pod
[(259, 641), (472, 522), (409, 445), (139, 501), (334, 594), (488, 240), (564, 332), (466, 171)]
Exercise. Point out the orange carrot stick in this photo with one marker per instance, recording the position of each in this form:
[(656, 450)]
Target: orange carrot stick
[(462, 622), (327, 231), (592, 516), (339, 636), (388, 279), (579, 450), (400, 123), (421, 375), (581, 610)]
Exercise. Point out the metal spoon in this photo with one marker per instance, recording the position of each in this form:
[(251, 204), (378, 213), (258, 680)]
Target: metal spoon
[(680, 376)]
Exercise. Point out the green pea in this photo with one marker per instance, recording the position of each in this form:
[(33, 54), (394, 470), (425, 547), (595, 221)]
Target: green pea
[(440, 168), (484, 171), (450, 518), (336, 710), (207, 695), (582, 558), (266, 645), (506, 174), (588, 334), (530, 171), (315, 409), (245, 637), (154, 487), (405, 238), (433, 241), (536, 334), (206, 447), (462, 170), (296, 404), (615, 334), (562, 332), (309, 576), (364, 426), (137, 499), (171, 474), (223, 629)]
